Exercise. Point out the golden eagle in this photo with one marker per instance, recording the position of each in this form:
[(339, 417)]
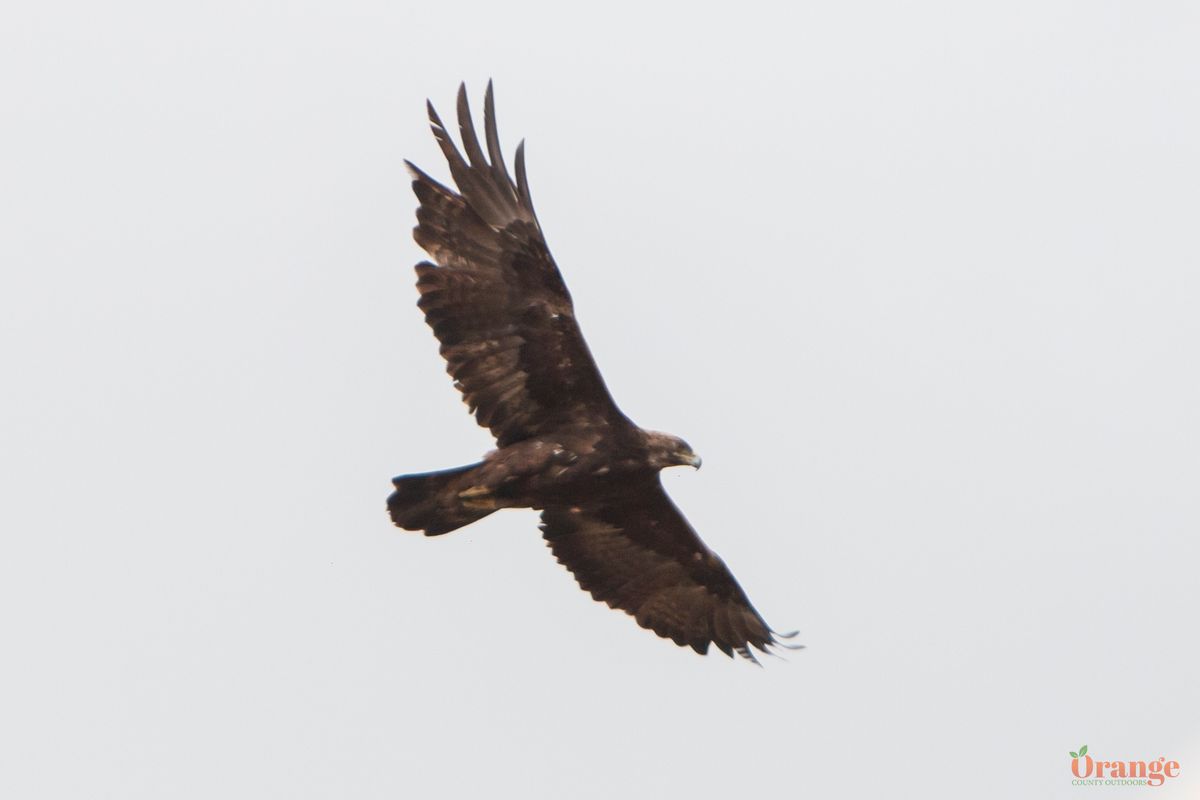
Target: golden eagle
[(498, 305)]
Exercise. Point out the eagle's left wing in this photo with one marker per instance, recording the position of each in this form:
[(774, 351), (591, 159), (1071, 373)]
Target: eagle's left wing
[(636, 552), (495, 298)]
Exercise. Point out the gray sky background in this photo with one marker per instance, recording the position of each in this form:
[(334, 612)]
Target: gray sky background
[(919, 281)]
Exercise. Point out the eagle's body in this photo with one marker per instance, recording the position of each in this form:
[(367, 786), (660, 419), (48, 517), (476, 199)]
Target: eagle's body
[(497, 303)]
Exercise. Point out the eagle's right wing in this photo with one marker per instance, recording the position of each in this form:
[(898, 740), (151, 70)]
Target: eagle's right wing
[(495, 298), (635, 551)]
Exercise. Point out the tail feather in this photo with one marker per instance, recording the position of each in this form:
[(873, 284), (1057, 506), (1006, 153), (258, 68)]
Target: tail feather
[(430, 501)]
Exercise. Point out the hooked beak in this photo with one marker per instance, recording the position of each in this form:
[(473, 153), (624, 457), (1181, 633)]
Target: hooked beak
[(693, 461)]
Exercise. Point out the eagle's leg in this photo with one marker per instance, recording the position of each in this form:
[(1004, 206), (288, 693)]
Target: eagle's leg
[(479, 498)]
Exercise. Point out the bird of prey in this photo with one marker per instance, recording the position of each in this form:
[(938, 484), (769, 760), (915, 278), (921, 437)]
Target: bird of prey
[(498, 305)]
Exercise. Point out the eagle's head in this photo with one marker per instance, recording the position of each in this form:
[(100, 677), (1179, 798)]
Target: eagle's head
[(664, 450)]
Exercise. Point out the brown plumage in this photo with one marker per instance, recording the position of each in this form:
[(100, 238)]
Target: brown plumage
[(498, 305)]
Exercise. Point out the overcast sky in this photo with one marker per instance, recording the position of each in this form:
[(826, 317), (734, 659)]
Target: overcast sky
[(919, 282)]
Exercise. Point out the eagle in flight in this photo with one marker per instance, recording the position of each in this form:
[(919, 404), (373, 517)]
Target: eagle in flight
[(498, 305)]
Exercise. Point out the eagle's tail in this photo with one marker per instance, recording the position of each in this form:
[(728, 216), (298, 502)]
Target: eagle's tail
[(434, 502)]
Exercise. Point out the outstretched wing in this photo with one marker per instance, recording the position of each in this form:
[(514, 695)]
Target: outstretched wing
[(495, 298), (636, 552)]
